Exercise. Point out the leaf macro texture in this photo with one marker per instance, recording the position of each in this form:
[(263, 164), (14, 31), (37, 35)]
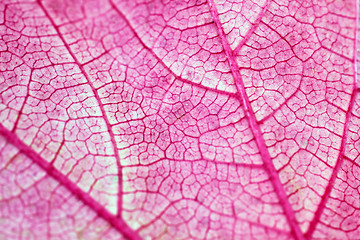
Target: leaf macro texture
[(179, 119)]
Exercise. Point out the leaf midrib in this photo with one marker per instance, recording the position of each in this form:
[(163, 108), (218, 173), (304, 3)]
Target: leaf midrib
[(268, 164)]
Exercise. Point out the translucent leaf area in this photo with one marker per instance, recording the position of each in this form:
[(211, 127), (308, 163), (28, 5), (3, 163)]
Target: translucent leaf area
[(179, 119)]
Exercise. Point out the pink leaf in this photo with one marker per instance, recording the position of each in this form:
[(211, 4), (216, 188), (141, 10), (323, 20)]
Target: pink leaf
[(179, 119)]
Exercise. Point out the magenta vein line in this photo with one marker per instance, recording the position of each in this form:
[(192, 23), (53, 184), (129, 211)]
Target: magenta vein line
[(119, 224), (101, 106), (269, 166)]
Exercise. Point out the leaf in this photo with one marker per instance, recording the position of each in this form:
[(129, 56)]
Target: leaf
[(179, 120)]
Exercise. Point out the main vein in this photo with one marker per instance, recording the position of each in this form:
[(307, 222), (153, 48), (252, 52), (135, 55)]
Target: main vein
[(268, 164)]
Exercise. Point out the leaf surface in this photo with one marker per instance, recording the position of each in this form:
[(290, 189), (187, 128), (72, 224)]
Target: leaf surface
[(179, 119)]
